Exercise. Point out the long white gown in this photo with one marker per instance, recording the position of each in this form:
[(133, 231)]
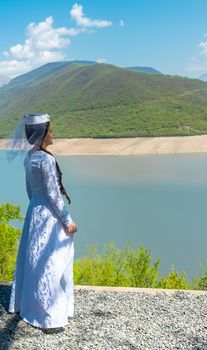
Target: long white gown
[(42, 290)]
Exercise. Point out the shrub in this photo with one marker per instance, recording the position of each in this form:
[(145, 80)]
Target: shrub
[(201, 282), (8, 239), (139, 268), (117, 267), (174, 280)]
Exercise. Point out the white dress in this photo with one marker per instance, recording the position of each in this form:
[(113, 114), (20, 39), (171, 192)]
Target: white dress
[(42, 290)]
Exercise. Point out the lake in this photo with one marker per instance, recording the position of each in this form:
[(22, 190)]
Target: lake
[(158, 201)]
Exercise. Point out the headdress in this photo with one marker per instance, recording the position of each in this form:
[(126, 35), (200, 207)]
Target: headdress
[(19, 142), (32, 119)]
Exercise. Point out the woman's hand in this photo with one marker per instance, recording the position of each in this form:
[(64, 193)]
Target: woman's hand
[(71, 229)]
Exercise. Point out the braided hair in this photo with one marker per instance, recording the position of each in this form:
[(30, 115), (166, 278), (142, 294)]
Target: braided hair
[(62, 189), (29, 130)]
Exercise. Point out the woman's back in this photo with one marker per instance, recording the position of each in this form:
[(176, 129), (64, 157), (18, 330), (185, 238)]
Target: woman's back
[(36, 179)]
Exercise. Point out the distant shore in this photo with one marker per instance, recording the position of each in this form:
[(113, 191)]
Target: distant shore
[(127, 146)]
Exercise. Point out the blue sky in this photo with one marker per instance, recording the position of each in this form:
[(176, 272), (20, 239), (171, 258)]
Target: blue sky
[(169, 35)]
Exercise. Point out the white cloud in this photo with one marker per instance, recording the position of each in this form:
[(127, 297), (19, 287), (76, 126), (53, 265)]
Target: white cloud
[(77, 15), (44, 36), (41, 36), (199, 61), (121, 23), (13, 67), (101, 60), (44, 43), (24, 51), (203, 47), (48, 56)]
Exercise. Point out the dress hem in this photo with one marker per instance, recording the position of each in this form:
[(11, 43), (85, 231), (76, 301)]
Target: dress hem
[(37, 325)]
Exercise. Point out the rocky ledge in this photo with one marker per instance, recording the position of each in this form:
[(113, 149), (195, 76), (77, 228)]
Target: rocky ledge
[(116, 319)]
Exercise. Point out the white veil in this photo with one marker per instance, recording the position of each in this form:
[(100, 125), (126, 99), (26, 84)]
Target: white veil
[(21, 141)]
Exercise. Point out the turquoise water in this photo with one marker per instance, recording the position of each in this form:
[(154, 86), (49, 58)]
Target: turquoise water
[(159, 201)]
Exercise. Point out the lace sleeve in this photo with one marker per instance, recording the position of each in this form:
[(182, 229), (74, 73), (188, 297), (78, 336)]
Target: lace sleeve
[(53, 194)]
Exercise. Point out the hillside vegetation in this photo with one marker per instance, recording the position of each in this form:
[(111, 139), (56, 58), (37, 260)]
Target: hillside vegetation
[(102, 100)]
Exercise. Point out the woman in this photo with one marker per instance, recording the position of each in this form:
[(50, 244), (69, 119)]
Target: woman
[(42, 290)]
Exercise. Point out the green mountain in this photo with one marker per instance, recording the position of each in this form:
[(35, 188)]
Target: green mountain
[(87, 99)]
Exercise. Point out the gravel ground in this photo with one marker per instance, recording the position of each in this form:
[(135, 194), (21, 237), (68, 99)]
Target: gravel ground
[(114, 320)]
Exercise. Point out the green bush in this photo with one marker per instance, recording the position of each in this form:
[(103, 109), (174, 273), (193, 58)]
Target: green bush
[(141, 272), (201, 282), (129, 268), (117, 267), (95, 270), (8, 240), (174, 280)]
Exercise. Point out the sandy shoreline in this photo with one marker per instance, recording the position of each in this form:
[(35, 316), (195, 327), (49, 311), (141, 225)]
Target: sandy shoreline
[(127, 146)]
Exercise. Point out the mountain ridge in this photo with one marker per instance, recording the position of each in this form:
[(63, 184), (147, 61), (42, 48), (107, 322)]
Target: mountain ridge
[(149, 70), (103, 100)]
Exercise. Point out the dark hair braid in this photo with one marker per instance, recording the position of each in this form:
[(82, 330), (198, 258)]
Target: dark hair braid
[(62, 189)]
